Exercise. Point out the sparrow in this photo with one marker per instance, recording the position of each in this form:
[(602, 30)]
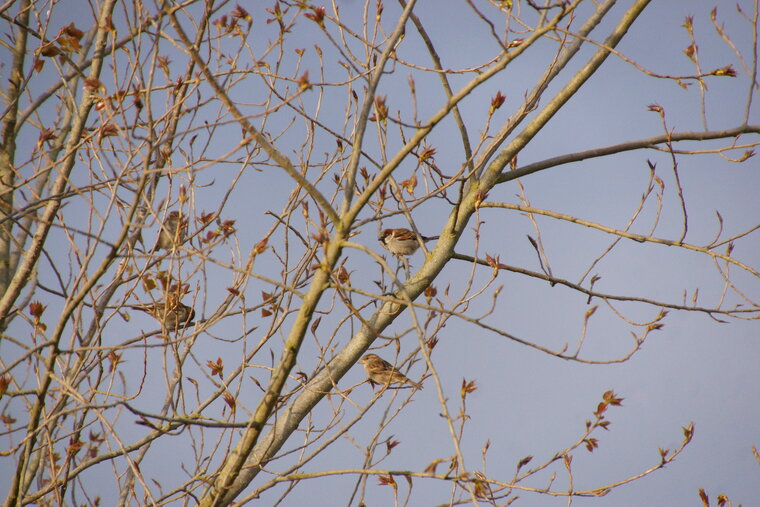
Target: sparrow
[(172, 232), (402, 241), (171, 313), (382, 372)]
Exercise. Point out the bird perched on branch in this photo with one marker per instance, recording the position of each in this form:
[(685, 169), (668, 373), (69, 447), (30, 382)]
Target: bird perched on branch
[(382, 372), (402, 242), (172, 232), (170, 313)]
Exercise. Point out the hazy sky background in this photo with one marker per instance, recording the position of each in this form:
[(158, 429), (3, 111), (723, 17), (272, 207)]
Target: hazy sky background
[(527, 403)]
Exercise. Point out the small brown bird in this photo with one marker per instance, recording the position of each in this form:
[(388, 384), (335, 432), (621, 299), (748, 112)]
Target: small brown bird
[(382, 372), (171, 313), (402, 241), (172, 232)]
